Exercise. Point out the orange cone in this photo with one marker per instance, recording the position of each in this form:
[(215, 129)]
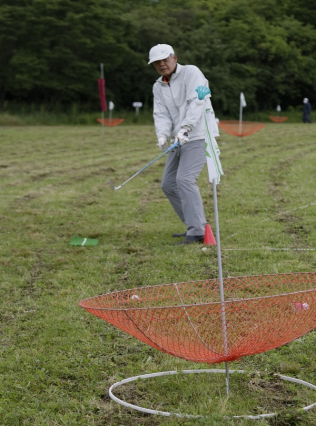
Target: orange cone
[(209, 239)]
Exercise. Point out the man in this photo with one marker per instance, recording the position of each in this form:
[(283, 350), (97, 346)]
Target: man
[(178, 116), (306, 111)]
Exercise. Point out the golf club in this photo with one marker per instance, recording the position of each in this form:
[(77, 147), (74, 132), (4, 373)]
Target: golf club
[(149, 164)]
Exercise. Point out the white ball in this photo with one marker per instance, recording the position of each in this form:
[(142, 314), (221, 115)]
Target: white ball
[(134, 297)]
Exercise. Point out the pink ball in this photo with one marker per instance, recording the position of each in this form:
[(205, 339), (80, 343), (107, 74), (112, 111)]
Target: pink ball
[(299, 306)]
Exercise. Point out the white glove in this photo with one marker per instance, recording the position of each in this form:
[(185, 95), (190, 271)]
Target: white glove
[(162, 143), (183, 136)]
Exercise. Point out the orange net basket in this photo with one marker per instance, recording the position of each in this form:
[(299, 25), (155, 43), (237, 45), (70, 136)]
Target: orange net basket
[(110, 121), (277, 119), (186, 319), (233, 127)]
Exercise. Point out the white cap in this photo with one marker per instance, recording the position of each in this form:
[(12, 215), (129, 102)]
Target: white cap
[(161, 51)]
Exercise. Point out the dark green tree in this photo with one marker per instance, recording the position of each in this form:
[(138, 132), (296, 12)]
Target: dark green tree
[(51, 51)]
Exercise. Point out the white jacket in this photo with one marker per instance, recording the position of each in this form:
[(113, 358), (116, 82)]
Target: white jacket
[(176, 104)]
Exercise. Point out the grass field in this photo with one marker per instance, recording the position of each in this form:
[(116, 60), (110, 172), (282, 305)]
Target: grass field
[(57, 360), (35, 115)]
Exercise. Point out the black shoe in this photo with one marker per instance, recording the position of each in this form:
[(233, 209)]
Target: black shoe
[(190, 239), (179, 235)]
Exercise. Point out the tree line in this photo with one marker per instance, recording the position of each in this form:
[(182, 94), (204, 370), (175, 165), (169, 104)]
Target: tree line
[(51, 51)]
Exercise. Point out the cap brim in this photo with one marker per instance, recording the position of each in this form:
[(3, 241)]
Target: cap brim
[(158, 58)]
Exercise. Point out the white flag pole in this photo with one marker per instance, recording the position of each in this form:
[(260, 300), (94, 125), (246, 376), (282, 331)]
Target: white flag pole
[(102, 112), (215, 171), (242, 105), (278, 109), (240, 116), (111, 107), (221, 285)]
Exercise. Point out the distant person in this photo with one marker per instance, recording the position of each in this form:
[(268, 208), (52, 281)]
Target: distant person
[(178, 116), (306, 111)]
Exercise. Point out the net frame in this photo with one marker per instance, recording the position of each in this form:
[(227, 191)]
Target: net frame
[(200, 371), (262, 313), (277, 119), (241, 129), (110, 122)]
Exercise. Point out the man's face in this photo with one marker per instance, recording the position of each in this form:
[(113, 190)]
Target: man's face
[(166, 67)]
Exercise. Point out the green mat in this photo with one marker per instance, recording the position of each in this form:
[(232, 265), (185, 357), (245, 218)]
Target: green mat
[(79, 241)]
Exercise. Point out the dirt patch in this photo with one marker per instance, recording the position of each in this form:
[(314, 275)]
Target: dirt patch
[(272, 391), (131, 417)]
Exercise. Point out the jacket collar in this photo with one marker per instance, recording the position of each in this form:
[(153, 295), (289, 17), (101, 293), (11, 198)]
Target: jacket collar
[(173, 76)]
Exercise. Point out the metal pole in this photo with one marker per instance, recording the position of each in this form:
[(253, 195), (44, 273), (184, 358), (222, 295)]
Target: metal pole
[(176, 144), (110, 116), (102, 112), (240, 119), (221, 286)]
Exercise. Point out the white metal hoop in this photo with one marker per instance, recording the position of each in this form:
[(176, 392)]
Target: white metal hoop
[(169, 373)]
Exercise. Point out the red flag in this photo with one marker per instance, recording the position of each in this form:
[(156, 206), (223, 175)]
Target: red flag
[(101, 84)]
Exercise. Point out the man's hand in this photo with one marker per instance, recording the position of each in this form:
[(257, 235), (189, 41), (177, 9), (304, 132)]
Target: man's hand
[(162, 143), (182, 136)]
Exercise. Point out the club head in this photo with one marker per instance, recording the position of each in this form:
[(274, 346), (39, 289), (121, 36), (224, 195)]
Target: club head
[(115, 188)]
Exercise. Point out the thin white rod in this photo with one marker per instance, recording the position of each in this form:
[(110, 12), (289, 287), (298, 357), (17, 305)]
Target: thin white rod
[(102, 112), (169, 373), (221, 285), (163, 373), (240, 119)]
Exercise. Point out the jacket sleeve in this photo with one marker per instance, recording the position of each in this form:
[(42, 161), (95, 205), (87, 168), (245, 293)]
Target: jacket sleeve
[(195, 107), (162, 119)]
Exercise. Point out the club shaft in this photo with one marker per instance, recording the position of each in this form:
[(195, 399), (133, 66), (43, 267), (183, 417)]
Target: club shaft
[(149, 164)]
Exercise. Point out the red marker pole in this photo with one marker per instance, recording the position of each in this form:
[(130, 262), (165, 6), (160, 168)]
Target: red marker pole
[(101, 84)]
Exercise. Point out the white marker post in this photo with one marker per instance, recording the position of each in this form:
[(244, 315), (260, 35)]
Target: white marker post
[(102, 112), (214, 173), (137, 105), (221, 284), (111, 107), (278, 109), (242, 105)]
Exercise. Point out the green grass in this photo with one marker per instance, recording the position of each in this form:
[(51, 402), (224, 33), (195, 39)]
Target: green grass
[(34, 116), (37, 115), (58, 361)]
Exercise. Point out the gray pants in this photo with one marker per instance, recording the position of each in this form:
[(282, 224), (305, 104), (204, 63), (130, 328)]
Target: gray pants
[(183, 167)]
